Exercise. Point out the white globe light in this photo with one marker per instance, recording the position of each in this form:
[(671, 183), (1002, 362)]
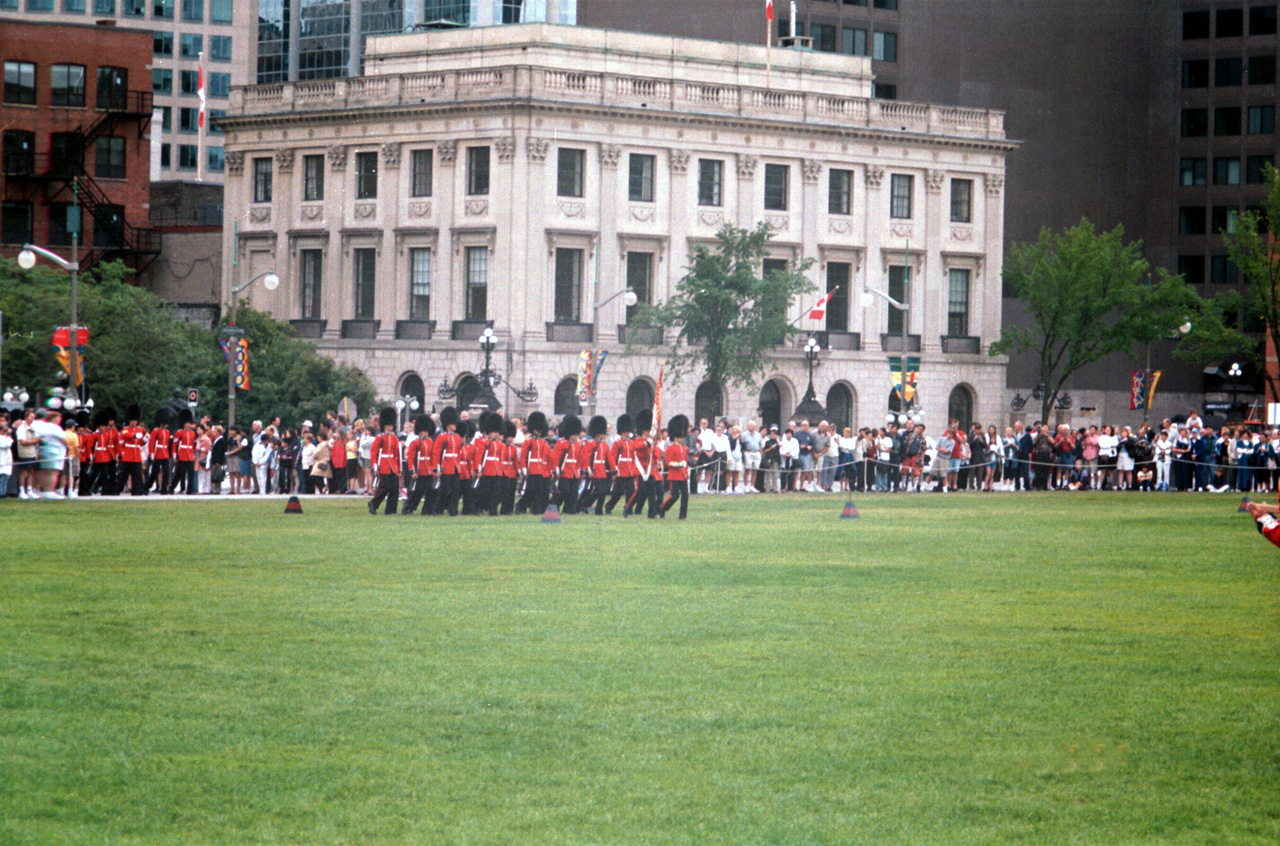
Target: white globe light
[(26, 259), (70, 403), (24, 396), (54, 403), (889, 418), (89, 403), (630, 298), (271, 281), (1185, 328), (413, 405), (866, 298), (902, 419), (399, 405)]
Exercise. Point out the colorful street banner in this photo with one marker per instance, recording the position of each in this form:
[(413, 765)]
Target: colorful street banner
[(62, 351), (242, 360), (913, 373), (585, 372), (1138, 391), (1153, 378), (601, 355), (657, 404)]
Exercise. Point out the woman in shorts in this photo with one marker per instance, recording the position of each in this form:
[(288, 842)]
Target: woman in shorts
[(734, 461), (1108, 454)]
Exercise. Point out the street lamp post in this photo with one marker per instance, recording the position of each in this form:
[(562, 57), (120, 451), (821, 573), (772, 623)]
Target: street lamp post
[(809, 405), (629, 298), (27, 260), (1146, 403), (231, 332), (409, 403), (1235, 372), (866, 298)]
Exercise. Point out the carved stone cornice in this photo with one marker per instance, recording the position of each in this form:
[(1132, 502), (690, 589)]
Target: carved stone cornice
[(679, 162), (747, 167), (609, 155), (284, 160)]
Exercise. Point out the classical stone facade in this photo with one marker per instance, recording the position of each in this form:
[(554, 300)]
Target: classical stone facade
[(470, 178)]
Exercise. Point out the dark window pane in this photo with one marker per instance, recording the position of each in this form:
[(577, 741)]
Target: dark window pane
[(1262, 70), (1195, 25), (776, 179), (1195, 73), (1230, 23), (1262, 20), (1191, 268), (1195, 123), (1191, 220)]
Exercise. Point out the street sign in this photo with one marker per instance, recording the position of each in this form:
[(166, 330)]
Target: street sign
[(1218, 407), (231, 332), (193, 397)]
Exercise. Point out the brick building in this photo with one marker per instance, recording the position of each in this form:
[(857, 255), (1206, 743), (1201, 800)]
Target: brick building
[(75, 116)]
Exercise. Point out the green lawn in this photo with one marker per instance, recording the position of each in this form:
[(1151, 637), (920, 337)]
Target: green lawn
[(1074, 668)]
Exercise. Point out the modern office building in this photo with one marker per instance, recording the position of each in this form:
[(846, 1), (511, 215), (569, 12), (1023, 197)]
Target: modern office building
[(523, 177), (74, 114)]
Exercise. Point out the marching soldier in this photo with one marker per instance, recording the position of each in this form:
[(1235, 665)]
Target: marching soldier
[(184, 450), (86, 451), (622, 463), (420, 461), (445, 457), (384, 457), (509, 457), (489, 452), (565, 459), (535, 461), (133, 438), (647, 463), (158, 447), (676, 460), (595, 463), (106, 443), (467, 466)]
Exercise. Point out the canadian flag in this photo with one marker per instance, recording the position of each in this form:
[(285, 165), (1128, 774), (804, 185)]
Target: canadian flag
[(768, 10), (200, 90), (819, 310)]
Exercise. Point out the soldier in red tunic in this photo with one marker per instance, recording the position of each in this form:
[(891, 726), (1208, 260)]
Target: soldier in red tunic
[(384, 458), (488, 453), (622, 462), (133, 438), (158, 447), (595, 463), (420, 461), (510, 455), (535, 463), (468, 465), (676, 460), (106, 443), (86, 451), (648, 472), (565, 459), (445, 456), (1266, 517), (184, 450)]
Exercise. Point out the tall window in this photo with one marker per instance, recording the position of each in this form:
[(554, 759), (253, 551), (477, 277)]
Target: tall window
[(710, 182), (838, 274), (189, 119), (312, 178), (66, 152), (511, 10), (1253, 168), (162, 9), (477, 273), (640, 178), (113, 87), (1195, 123), (958, 302), (1226, 121), (422, 168), (108, 226), (640, 280), (16, 227), (1262, 70), (568, 286), (884, 46), (853, 42), (220, 11), (1262, 120), (477, 170), (108, 157), (162, 43), (161, 80), (188, 156), (190, 45), (365, 262), (20, 83), (220, 48), (839, 191), (193, 10), (312, 277), (1228, 73), (419, 283), (60, 225), (67, 84), (262, 180), (900, 195), (961, 200), (366, 176), (900, 291), (19, 152), (569, 172), (1226, 171), (776, 182), (1195, 73), (1193, 171)]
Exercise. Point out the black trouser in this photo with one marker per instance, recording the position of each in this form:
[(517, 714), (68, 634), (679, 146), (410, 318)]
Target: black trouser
[(184, 473), (567, 495), (468, 496), (447, 494), (537, 493), (104, 478), (284, 477), (647, 490), (489, 495), (159, 472), (131, 472), (624, 488), (339, 480), (508, 487), (596, 491), (388, 489), (422, 492), (678, 489)]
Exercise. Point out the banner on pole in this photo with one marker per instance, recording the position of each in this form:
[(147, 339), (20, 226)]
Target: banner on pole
[(241, 346)]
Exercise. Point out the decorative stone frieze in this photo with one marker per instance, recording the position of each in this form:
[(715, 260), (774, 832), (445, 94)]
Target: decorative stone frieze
[(506, 148), (537, 148), (812, 170), (391, 155), (933, 181), (284, 160), (875, 176), (609, 155), (337, 158), (679, 162), (747, 167), (448, 151)]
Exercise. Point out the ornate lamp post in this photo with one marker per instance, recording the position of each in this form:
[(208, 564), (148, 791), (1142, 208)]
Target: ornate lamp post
[(407, 403), (27, 260), (906, 411), (233, 333), (1235, 372), (488, 379), (809, 406)]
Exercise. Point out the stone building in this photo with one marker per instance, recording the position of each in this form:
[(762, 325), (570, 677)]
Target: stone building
[(522, 177)]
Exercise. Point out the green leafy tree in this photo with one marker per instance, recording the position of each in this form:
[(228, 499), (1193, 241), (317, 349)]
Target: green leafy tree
[(1254, 249), (725, 314), (1089, 295)]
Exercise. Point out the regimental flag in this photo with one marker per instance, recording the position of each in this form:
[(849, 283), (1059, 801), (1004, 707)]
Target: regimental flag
[(768, 10), (62, 351), (657, 404), (200, 90), (913, 373), (242, 359), (585, 371), (819, 310)]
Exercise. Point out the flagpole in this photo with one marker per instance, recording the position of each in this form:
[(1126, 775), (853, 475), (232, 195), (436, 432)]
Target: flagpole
[(768, 45)]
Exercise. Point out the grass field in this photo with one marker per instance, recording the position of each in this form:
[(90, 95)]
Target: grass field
[(1044, 669)]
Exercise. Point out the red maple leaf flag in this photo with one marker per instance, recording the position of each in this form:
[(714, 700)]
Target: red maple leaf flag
[(819, 310), (768, 10), (200, 90)]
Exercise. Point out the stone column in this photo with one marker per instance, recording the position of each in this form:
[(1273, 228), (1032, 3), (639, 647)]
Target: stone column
[(608, 258)]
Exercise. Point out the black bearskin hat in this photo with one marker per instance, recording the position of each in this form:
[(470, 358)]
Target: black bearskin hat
[(184, 417), (133, 413), (570, 426), (424, 425), (598, 426), (82, 418), (100, 418), (492, 424), (537, 424), (624, 425), (109, 414), (644, 421), (508, 429), (387, 417), (678, 427), (448, 417)]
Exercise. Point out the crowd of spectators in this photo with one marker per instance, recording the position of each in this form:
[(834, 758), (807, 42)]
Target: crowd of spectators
[(43, 455)]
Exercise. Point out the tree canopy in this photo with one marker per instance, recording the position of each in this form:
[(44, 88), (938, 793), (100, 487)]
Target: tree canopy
[(727, 314), (1254, 249), (139, 352), (1090, 294)]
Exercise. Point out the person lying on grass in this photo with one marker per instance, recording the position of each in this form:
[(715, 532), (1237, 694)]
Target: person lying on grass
[(1266, 516)]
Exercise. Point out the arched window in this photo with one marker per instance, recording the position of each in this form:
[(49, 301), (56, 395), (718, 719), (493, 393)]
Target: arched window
[(707, 402), (468, 390), (770, 405), (566, 401), (840, 407), (639, 396), (960, 406), (411, 385)]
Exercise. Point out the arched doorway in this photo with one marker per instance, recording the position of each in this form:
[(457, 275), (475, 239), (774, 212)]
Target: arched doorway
[(960, 406), (639, 396), (566, 401), (411, 386), (840, 406), (708, 402), (772, 412), (468, 390)]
